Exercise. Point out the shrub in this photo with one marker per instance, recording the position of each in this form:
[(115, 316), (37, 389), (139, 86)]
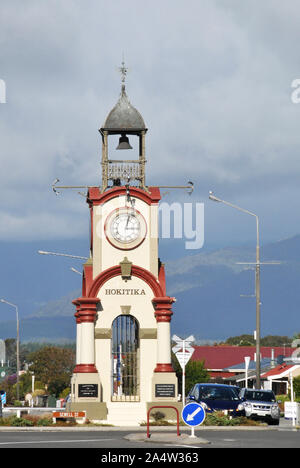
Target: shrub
[(32, 419), (21, 422), (160, 422), (158, 415), (63, 422), (220, 419), (45, 422), (6, 421)]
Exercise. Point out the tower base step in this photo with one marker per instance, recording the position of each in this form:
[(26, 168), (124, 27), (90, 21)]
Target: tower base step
[(126, 413)]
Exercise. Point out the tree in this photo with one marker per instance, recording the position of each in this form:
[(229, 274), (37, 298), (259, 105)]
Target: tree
[(53, 366), (11, 350), (296, 385), (242, 340), (275, 340), (248, 340), (26, 384), (9, 386), (11, 353), (194, 372)]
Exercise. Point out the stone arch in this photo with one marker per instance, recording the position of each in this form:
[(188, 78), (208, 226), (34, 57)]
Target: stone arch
[(137, 271)]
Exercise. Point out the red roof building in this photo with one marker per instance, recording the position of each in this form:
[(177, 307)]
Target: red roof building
[(279, 377), (217, 358)]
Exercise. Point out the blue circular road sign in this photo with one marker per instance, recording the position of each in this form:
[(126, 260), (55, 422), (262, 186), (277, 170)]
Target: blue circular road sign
[(193, 414)]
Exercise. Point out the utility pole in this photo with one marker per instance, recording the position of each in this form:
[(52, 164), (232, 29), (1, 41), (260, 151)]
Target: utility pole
[(257, 282)]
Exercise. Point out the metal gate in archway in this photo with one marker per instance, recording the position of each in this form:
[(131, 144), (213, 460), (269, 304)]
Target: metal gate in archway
[(125, 359)]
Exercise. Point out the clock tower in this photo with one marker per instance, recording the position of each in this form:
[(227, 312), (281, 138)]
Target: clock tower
[(123, 351)]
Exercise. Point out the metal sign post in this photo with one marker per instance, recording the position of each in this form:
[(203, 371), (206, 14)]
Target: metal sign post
[(292, 398), (183, 351), (193, 414), (247, 362)]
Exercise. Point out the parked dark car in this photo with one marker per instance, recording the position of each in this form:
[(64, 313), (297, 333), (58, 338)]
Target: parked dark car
[(216, 397)]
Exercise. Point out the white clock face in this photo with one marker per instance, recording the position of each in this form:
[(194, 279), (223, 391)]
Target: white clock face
[(125, 228)]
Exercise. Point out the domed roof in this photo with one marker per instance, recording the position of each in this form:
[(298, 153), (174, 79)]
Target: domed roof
[(124, 116)]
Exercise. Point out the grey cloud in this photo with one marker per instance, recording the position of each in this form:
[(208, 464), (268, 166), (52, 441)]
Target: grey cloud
[(212, 80)]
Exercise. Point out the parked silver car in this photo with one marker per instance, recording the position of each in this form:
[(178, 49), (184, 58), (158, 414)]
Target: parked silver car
[(260, 404)]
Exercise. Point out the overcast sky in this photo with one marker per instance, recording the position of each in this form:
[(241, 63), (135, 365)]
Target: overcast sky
[(211, 78)]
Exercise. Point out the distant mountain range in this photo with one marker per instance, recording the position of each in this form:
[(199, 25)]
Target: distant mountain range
[(208, 288)]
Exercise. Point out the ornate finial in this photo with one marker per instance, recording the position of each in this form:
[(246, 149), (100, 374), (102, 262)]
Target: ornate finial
[(123, 70)]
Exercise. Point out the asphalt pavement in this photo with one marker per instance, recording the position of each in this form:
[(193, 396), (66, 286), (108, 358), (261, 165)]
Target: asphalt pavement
[(116, 438)]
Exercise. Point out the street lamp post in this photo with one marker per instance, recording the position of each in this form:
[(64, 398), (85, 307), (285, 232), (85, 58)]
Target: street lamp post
[(257, 283), (42, 252), (18, 344)]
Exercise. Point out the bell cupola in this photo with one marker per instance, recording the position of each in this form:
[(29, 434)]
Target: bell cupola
[(124, 120)]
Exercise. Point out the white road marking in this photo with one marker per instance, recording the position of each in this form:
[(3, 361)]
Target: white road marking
[(188, 446), (53, 441)]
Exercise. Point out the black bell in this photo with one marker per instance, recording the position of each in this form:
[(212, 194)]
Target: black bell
[(123, 143)]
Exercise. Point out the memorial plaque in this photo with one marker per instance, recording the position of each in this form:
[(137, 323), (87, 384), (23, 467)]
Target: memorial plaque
[(165, 390), (88, 390)]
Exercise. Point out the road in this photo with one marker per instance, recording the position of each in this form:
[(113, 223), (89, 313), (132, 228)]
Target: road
[(115, 440)]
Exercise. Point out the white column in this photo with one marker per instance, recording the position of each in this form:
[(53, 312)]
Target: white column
[(87, 351), (78, 343), (163, 313), (163, 342)]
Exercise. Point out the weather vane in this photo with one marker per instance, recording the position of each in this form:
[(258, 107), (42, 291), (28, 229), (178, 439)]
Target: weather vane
[(123, 70)]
